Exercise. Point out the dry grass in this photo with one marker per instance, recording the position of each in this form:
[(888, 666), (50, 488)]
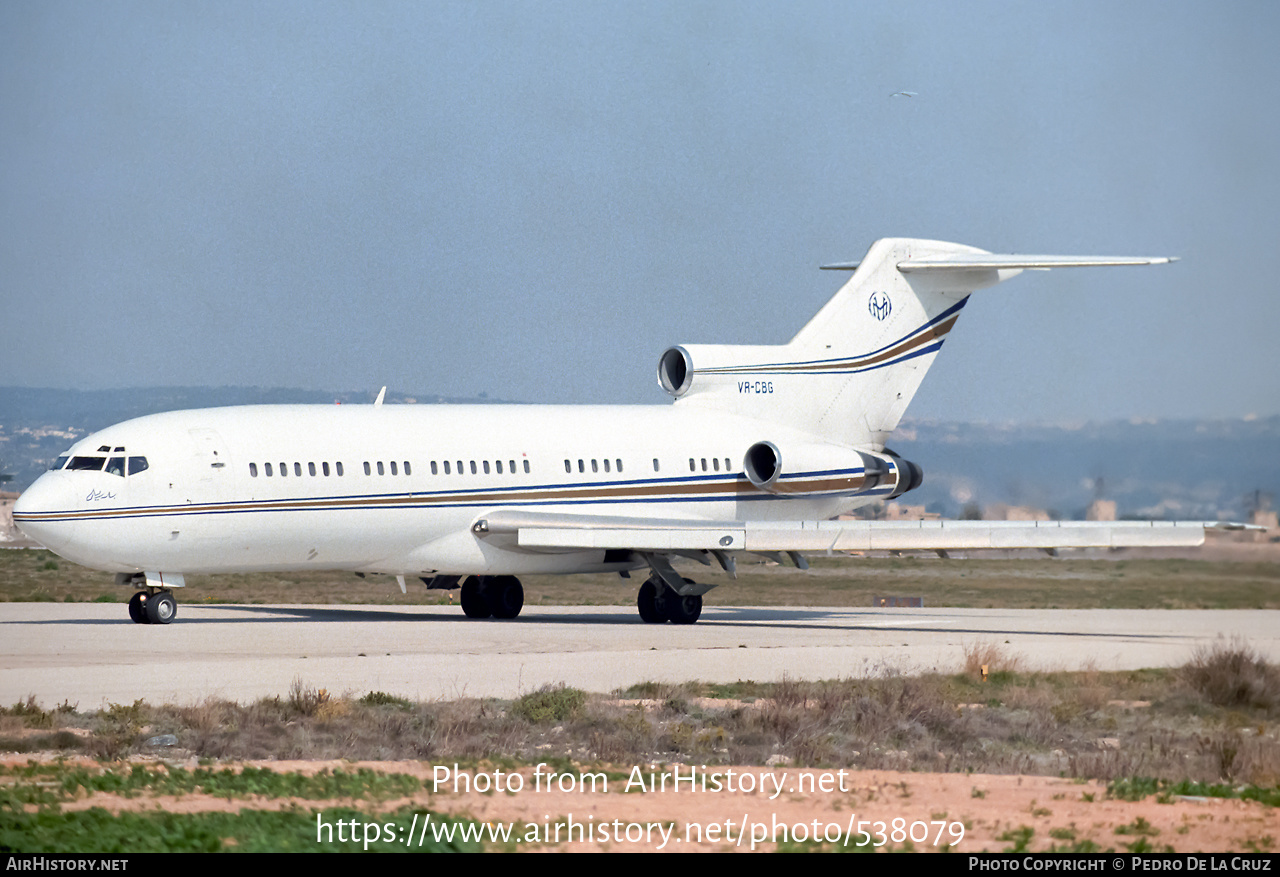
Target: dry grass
[(1111, 581), (988, 658), (1091, 724), (1232, 674)]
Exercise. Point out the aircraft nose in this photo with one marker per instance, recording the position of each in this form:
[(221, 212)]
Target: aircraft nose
[(38, 511)]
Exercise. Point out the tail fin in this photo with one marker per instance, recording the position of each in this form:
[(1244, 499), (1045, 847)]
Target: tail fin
[(848, 375)]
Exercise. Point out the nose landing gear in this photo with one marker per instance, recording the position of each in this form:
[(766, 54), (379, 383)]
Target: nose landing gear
[(153, 607), (154, 602)]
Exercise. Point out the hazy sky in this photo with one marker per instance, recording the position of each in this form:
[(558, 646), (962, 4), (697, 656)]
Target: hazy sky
[(533, 200)]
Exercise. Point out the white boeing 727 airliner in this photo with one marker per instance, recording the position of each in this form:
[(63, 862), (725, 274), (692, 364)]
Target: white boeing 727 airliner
[(762, 447)]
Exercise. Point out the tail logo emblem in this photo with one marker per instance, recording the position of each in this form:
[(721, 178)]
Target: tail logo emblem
[(879, 305)]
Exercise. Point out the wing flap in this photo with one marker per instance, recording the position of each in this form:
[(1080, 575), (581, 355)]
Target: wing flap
[(683, 539), (958, 535), (536, 531)]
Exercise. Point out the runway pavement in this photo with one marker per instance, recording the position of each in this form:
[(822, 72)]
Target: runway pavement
[(91, 654)]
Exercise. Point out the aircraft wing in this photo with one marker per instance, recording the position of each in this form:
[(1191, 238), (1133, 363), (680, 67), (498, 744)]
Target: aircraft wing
[(538, 531)]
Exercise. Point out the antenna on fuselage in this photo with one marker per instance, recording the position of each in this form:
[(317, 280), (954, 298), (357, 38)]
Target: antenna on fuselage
[(382, 394)]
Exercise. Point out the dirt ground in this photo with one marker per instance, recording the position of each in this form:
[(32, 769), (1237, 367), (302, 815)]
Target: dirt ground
[(967, 813)]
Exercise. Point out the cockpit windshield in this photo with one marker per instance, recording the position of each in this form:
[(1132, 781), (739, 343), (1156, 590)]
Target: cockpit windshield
[(116, 465)]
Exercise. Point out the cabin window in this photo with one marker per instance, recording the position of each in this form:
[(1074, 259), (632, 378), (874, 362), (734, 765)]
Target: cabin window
[(297, 469), (568, 467), (434, 469), (311, 469), (267, 468), (473, 467), (618, 467), (582, 466), (459, 467), (87, 464), (606, 464), (693, 466), (367, 470), (704, 464), (324, 467), (526, 467), (498, 466), (393, 468), (655, 464), (727, 467), (485, 464), (715, 463), (137, 464), (512, 470), (594, 467), (380, 469), (406, 468), (338, 468), (446, 467), (253, 469)]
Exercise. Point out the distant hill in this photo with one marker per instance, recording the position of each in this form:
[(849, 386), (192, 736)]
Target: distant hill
[(1151, 469)]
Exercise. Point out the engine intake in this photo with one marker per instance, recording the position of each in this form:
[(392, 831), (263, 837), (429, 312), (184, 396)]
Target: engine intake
[(675, 371), (763, 465)]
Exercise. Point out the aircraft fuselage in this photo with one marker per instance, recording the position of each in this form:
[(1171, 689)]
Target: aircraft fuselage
[(394, 488)]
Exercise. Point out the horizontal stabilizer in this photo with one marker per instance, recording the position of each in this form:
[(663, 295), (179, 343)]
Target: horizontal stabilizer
[(997, 261), (1001, 261)]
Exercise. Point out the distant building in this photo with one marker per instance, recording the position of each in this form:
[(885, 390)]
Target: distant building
[(1101, 510), (8, 532), (1264, 518), (895, 512), (890, 511), (998, 511)]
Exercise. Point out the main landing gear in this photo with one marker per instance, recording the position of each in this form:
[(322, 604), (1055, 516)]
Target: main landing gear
[(153, 607), (492, 596), (658, 603)]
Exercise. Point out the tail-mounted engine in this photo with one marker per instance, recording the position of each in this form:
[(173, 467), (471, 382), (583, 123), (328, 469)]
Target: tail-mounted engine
[(675, 371), (910, 475), (758, 381), (736, 372), (814, 469)]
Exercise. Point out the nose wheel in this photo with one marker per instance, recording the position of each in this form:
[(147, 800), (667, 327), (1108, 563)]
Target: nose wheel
[(153, 607)]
